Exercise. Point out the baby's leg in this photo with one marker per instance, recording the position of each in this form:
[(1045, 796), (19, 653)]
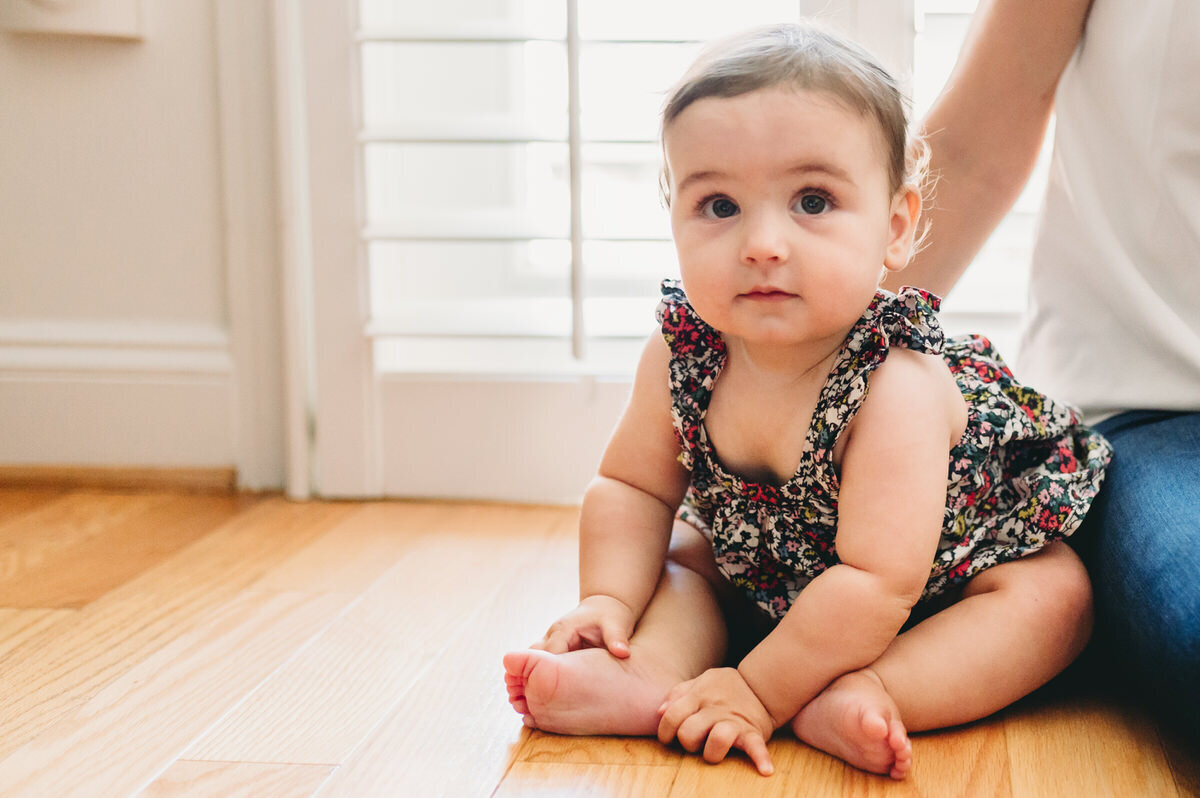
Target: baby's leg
[(1016, 626), (680, 635)]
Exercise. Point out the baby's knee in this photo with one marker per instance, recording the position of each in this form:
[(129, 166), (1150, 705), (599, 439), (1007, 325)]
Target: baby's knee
[(689, 549), (1051, 588), (1060, 591)]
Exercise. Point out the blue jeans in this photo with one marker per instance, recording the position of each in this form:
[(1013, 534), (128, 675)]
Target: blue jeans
[(1141, 543)]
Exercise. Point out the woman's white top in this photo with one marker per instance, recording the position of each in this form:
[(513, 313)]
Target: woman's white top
[(1114, 312)]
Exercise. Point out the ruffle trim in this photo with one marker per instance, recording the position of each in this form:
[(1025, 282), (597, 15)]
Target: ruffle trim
[(908, 319)]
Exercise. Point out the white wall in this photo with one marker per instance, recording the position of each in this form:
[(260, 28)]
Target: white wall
[(139, 308)]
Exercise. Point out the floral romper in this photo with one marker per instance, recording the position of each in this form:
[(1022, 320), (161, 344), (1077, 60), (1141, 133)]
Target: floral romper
[(1023, 474)]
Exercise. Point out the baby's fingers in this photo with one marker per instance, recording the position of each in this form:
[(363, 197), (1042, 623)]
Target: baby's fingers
[(674, 713), (722, 737), (676, 692), (693, 733), (616, 639), (558, 641), (756, 748)]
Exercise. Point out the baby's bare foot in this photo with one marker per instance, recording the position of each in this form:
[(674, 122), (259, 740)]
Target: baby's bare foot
[(856, 720), (588, 691)]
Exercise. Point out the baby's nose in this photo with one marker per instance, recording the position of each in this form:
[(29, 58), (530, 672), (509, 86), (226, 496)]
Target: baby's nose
[(764, 239)]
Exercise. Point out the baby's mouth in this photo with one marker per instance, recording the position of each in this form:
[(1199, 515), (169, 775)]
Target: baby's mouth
[(767, 294)]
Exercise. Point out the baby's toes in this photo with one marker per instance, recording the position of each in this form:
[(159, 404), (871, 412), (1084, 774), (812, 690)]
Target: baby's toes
[(901, 747), (874, 727)]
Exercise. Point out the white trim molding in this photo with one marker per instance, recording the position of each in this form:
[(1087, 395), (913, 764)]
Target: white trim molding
[(295, 250), (246, 132), (115, 394), (323, 226), (43, 346)]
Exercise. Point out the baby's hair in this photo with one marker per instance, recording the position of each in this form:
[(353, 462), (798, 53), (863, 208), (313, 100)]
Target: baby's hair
[(809, 57)]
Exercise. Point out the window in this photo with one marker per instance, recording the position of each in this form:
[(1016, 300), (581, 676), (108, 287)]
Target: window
[(469, 200), (467, 153)]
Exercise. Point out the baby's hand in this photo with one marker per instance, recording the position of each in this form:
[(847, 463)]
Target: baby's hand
[(598, 622), (719, 711)]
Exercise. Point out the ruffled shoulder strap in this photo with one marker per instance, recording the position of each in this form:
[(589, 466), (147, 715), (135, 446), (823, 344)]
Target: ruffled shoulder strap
[(909, 319), (697, 355)]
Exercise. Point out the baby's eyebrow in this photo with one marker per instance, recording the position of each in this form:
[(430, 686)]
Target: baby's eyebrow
[(806, 167), (697, 177), (822, 167)]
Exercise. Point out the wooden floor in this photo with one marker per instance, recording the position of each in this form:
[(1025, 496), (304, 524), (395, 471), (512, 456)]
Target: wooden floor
[(165, 644)]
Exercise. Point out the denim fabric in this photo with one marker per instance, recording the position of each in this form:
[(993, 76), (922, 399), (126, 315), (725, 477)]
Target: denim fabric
[(1141, 543)]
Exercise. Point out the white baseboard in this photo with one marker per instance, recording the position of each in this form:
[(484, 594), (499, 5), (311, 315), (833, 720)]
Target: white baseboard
[(115, 394)]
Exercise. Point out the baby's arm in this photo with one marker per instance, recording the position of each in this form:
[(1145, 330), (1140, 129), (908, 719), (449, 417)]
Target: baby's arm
[(890, 509), (627, 514)]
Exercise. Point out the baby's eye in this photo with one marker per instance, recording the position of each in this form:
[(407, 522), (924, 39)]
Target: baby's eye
[(718, 208), (812, 204)]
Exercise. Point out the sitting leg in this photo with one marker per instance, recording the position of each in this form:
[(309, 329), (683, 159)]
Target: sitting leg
[(588, 691), (1016, 626), (1141, 543)]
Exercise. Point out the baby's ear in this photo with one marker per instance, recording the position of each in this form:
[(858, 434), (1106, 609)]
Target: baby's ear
[(906, 213)]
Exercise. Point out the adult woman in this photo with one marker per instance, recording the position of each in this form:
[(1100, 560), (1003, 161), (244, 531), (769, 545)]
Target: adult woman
[(1114, 317)]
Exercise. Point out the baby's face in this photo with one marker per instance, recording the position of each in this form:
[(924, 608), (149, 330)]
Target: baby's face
[(781, 213)]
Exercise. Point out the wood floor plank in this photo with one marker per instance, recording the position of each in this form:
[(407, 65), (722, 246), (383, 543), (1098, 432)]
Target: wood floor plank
[(325, 701), (126, 734), (564, 749), (1184, 760), (73, 551), (586, 781), (18, 626), (352, 555), (966, 762), (1097, 750), (17, 501), (37, 546), (453, 733), (51, 673), (799, 770), (187, 779)]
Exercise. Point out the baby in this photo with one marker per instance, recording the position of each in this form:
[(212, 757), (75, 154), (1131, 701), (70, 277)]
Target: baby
[(815, 511)]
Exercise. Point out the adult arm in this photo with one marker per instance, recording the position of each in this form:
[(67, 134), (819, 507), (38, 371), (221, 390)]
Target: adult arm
[(986, 128)]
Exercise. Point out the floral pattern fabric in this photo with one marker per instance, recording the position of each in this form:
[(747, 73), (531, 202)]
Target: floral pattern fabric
[(1023, 474)]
